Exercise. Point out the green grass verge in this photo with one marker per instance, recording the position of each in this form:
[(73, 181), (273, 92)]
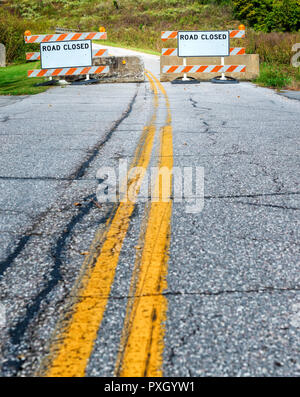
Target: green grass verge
[(273, 77), (14, 80), (279, 76), (120, 45)]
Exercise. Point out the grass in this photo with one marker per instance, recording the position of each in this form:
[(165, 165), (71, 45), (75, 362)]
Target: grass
[(279, 77), (14, 80)]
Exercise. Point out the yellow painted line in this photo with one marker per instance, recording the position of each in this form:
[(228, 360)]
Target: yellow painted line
[(142, 342), (162, 89), (74, 344)]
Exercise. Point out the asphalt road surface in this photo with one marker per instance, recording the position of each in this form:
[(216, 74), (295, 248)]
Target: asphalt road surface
[(192, 283)]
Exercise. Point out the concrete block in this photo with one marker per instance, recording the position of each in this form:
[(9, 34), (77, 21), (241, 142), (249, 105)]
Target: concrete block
[(2, 56), (250, 60)]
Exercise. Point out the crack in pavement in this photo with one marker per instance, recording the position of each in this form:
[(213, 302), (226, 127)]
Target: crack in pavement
[(55, 275), (77, 174), (203, 293), (17, 333), (4, 119), (283, 207), (196, 293), (252, 195), (12, 100), (44, 178)]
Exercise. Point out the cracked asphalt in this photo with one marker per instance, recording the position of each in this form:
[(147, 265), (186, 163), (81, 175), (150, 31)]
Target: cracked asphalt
[(233, 282)]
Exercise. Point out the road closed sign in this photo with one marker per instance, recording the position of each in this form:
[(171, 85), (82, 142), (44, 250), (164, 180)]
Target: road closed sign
[(203, 44), (64, 54)]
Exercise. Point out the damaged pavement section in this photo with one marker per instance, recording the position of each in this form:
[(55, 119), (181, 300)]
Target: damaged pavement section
[(127, 69)]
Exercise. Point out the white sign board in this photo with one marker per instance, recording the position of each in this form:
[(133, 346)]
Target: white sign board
[(66, 54), (203, 44)]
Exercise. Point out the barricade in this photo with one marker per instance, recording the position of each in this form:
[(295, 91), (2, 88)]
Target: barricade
[(190, 66), (66, 37)]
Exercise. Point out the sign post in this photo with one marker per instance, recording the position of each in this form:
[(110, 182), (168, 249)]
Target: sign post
[(223, 63), (184, 74)]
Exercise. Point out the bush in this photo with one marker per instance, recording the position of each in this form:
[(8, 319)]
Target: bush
[(285, 16), (12, 36), (269, 15), (272, 76), (12, 30)]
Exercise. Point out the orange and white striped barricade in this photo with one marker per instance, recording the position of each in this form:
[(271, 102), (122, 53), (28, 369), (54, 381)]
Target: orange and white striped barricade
[(195, 69), (204, 69), (33, 56), (66, 54), (36, 56), (68, 71), (172, 52), (49, 38), (233, 34)]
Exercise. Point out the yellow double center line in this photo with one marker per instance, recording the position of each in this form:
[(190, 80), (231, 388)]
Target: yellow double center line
[(142, 341), (141, 348)]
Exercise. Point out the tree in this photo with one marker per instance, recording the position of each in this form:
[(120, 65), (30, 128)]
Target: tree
[(267, 15)]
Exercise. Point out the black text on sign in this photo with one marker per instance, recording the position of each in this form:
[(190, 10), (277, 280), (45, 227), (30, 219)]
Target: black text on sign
[(66, 54), (203, 44)]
